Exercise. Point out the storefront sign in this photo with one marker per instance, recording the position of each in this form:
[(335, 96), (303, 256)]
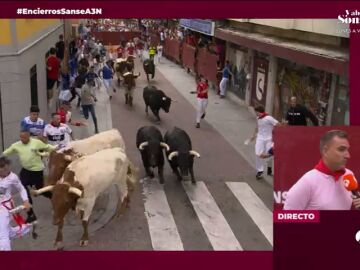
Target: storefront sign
[(202, 26)]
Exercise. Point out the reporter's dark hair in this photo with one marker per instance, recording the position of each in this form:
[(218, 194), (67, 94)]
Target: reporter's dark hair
[(4, 161), (330, 135)]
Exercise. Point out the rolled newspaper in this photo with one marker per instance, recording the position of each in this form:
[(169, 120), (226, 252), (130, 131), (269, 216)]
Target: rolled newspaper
[(17, 209)]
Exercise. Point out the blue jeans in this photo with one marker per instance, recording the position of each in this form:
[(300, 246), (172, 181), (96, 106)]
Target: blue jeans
[(91, 109)]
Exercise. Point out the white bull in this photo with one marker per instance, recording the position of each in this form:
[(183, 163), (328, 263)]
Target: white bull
[(59, 160), (84, 180), (107, 139)]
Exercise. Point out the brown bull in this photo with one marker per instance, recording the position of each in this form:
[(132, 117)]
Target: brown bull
[(129, 82), (84, 180)]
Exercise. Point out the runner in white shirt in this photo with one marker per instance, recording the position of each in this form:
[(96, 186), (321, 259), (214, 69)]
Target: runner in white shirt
[(58, 133), (264, 140), (9, 182)]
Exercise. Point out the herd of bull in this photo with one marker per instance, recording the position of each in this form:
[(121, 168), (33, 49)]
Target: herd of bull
[(79, 173), (153, 97)]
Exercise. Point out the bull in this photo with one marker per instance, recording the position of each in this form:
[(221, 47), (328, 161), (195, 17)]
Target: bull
[(156, 100), (149, 68), (59, 160), (122, 66), (180, 156), (129, 82), (83, 181), (150, 142)]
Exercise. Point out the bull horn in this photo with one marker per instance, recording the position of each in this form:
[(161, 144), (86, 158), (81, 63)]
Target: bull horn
[(68, 158), (162, 144), (75, 191), (137, 75), (142, 145), (41, 190), (194, 153), (173, 154)]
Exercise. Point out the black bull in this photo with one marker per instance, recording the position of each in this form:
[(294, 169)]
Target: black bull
[(149, 68), (180, 156), (156, 100), (150, 143)]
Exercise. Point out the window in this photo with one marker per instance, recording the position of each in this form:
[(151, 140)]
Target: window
[(33, 86)]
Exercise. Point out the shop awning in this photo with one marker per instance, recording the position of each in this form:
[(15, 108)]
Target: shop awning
[(325, 58)]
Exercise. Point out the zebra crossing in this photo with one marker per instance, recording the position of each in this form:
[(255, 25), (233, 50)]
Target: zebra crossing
[(163, 228)]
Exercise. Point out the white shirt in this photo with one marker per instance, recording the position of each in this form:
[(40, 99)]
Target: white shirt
[(35, 128), (9, 184), (57, 135), (265, 127), (318, 191)]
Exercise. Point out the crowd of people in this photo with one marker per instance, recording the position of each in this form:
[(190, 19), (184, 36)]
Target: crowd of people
[(76, 68)]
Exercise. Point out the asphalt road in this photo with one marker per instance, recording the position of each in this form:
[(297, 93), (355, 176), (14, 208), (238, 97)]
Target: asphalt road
[(219, 164), (228, 209)]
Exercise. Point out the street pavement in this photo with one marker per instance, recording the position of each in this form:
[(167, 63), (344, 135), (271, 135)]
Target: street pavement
[(228, 209)]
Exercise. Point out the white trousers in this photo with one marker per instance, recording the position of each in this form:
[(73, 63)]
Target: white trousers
[(108, 83), (7, 232), (201, 107), (261, 147), (159, 55), (222, 86)]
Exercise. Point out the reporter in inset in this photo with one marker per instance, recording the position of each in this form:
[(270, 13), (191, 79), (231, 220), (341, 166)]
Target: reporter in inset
[(324, 188)]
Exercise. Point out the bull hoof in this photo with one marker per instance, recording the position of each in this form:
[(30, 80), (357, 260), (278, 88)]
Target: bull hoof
[(84, 243), (34, 235), (59, 245), (193, 182)]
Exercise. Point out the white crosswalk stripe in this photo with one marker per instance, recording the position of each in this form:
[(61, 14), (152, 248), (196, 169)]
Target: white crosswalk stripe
[(257, 210), (163, 229), (217, 229)]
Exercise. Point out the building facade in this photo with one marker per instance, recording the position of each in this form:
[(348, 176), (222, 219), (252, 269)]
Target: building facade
[(23, 46), (274, 59)]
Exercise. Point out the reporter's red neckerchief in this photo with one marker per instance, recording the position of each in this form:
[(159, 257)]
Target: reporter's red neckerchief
[(324, 169)]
